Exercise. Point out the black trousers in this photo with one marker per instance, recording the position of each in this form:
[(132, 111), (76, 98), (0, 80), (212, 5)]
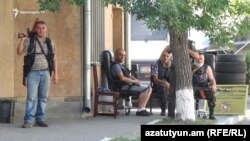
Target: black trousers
[(162, 95)]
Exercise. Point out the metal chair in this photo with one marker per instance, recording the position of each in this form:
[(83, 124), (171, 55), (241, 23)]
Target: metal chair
[(200, 108)]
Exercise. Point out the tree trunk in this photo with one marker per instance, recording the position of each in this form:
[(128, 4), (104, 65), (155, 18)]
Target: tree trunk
[(185, 109)]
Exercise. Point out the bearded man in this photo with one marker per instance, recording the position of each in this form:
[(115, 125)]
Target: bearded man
[(204, 83)]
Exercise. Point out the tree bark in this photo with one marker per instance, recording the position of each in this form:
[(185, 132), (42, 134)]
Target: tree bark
[(185, 109)]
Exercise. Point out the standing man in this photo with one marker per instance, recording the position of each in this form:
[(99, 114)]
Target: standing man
[(160, 74), (130, 84), (172, 95), (39, 63)]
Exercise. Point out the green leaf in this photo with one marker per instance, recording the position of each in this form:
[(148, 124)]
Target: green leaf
[(51, 5), (54, 5), (209, 16)]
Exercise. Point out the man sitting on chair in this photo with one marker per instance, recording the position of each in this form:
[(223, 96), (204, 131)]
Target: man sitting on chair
[(129, 84), (204, 83), (160, 74)]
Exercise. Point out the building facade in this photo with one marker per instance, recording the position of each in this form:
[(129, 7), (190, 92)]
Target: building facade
[(67, 30)]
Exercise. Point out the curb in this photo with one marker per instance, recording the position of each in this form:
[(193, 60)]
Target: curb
[(153, 122)]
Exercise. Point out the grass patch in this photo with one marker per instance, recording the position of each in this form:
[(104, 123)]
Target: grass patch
[(198, 121)]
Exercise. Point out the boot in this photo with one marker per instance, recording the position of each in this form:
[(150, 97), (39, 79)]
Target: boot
[(211, 114), (163, 111), (164, 103)]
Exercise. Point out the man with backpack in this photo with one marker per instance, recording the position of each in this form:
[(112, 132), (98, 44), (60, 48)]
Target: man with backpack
[(39, 63)]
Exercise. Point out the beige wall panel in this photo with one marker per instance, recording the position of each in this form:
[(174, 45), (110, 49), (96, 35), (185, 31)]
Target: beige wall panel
[(64, 28), (6, 49), (118, 32), (108, 28)]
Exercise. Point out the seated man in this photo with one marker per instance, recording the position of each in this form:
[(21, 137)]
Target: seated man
[(129, 84), (161, 78), (204, 83)]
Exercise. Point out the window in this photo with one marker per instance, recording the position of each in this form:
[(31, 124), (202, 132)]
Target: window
[(139, 31)]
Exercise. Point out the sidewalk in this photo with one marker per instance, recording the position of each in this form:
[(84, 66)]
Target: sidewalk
[(67, 124), (72, 127)]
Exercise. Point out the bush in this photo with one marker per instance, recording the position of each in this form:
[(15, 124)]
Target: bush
[(248, 69)]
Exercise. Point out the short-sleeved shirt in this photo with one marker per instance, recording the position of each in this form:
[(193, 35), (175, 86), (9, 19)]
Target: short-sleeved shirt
[(40, 59), (129, 89), (115, 70), (157, 68)]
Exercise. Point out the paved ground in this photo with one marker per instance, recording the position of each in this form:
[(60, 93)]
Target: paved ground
[(76, 128), (67, 124)]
